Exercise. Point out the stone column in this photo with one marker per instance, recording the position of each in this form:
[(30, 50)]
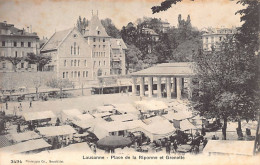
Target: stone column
[(168, 87), (179, 87), (159, 87), (142, 90), (174, 85), (150, 86), (189, 88), (134, 86)]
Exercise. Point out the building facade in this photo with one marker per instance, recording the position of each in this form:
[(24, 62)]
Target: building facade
[(213, 37), (87, 55), (17, 43)]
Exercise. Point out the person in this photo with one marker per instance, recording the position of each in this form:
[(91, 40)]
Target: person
[(205, 141), (175, 145), (214, 137), (6, 105), (30, 104), (167, 147), (197, 133), (203, 131), (18, 128), (15, 111), (20, 107)]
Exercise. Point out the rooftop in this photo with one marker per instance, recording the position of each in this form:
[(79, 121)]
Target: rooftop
[(183, 69), (117, 43), (95, 28)]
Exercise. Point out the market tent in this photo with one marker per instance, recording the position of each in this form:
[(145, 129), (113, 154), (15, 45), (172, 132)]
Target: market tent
[(69, 114), (133, 125), (229, 147), (114, 142), (103, 129), (84, 117), (29, 116), (178, 115), (20, 137), (124, 117), (186, 125), (105, 108), (100, 115), (83, 124), (22, 147), (126, 108), (153, 119), (56, 130), (151, 105)]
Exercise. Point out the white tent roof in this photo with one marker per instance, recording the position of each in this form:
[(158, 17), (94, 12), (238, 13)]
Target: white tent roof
[(105, 108), (71, 112), (84, 117), (186, 125), (56, 130), (230, 147), (25, 146), (99, 115), (151, 105), (19, 137), (124, 117), (155, 119), (128, 108), (130, 125), (38, 115), (181, 115)]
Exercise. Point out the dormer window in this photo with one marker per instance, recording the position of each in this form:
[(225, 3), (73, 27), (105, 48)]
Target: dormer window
[(98, 32)]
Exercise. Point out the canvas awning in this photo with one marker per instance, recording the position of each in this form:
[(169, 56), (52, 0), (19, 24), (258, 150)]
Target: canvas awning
[(181, 115), (56, 130), (229, 147), (29, 116), (105, 108), (71, 112), (126, 108), (99, 115), (124, 117), (151, 105), (84, 117), (22, 147), (186, 125), (19, 137)]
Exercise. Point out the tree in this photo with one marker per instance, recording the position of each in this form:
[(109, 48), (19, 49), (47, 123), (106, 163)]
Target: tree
[(82, 24), (110, 28), (226, 89), (14, 60), (39, 60), (59, 83), (133, 54)]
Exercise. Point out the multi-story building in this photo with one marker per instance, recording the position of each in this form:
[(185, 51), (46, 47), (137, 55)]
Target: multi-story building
[(213, 37), (17, 43), (87, 55)]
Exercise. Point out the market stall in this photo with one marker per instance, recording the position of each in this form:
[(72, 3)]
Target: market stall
[(25, 136), (124, 117), (69, 114), (126, 108), (38, 119)]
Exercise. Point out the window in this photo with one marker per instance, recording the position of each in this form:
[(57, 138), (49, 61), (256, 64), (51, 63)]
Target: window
[(75, 62), (98, 46), (71, 50), (71, 74), (220, 38), (22, 53), (85, 62), (15, 44), (71, 63), (22, 44), (75, 48), (104, 46), (98, 32), (78, 62), (63, 75), (4, 64), (94, 46), (86, 73), (75, 74), (22, 65), (94, 63), (94, 39), (78, 73), (104, 40), (67, 74), (99, 63), (83, 73), (15, 53), (104, 63), (29, 44), (78, 50), (65, 62)]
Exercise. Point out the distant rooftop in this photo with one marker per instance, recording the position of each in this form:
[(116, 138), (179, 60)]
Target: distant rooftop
[(183, 69), (117, 43), (95, 28), (220, 31)]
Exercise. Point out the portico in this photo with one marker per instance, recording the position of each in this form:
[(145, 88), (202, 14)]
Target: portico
[(169, 78)]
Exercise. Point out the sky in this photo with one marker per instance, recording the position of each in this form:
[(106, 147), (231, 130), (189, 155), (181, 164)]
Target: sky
[(48, 16)]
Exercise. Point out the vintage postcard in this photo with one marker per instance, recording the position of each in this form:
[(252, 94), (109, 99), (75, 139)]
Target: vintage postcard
[(129, 82)]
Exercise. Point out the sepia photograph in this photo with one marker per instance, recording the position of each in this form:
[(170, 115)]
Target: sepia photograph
[(129, 82)]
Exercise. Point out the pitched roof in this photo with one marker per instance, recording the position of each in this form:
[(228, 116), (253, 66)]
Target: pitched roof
[(168, 69), (95, 26), (117, 43), (56, 39)]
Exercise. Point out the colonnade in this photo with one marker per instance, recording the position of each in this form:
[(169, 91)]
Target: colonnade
[(172, 84)]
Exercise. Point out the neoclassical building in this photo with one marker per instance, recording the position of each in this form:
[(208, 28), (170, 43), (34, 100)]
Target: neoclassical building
[(16, 42), (85, 56)]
